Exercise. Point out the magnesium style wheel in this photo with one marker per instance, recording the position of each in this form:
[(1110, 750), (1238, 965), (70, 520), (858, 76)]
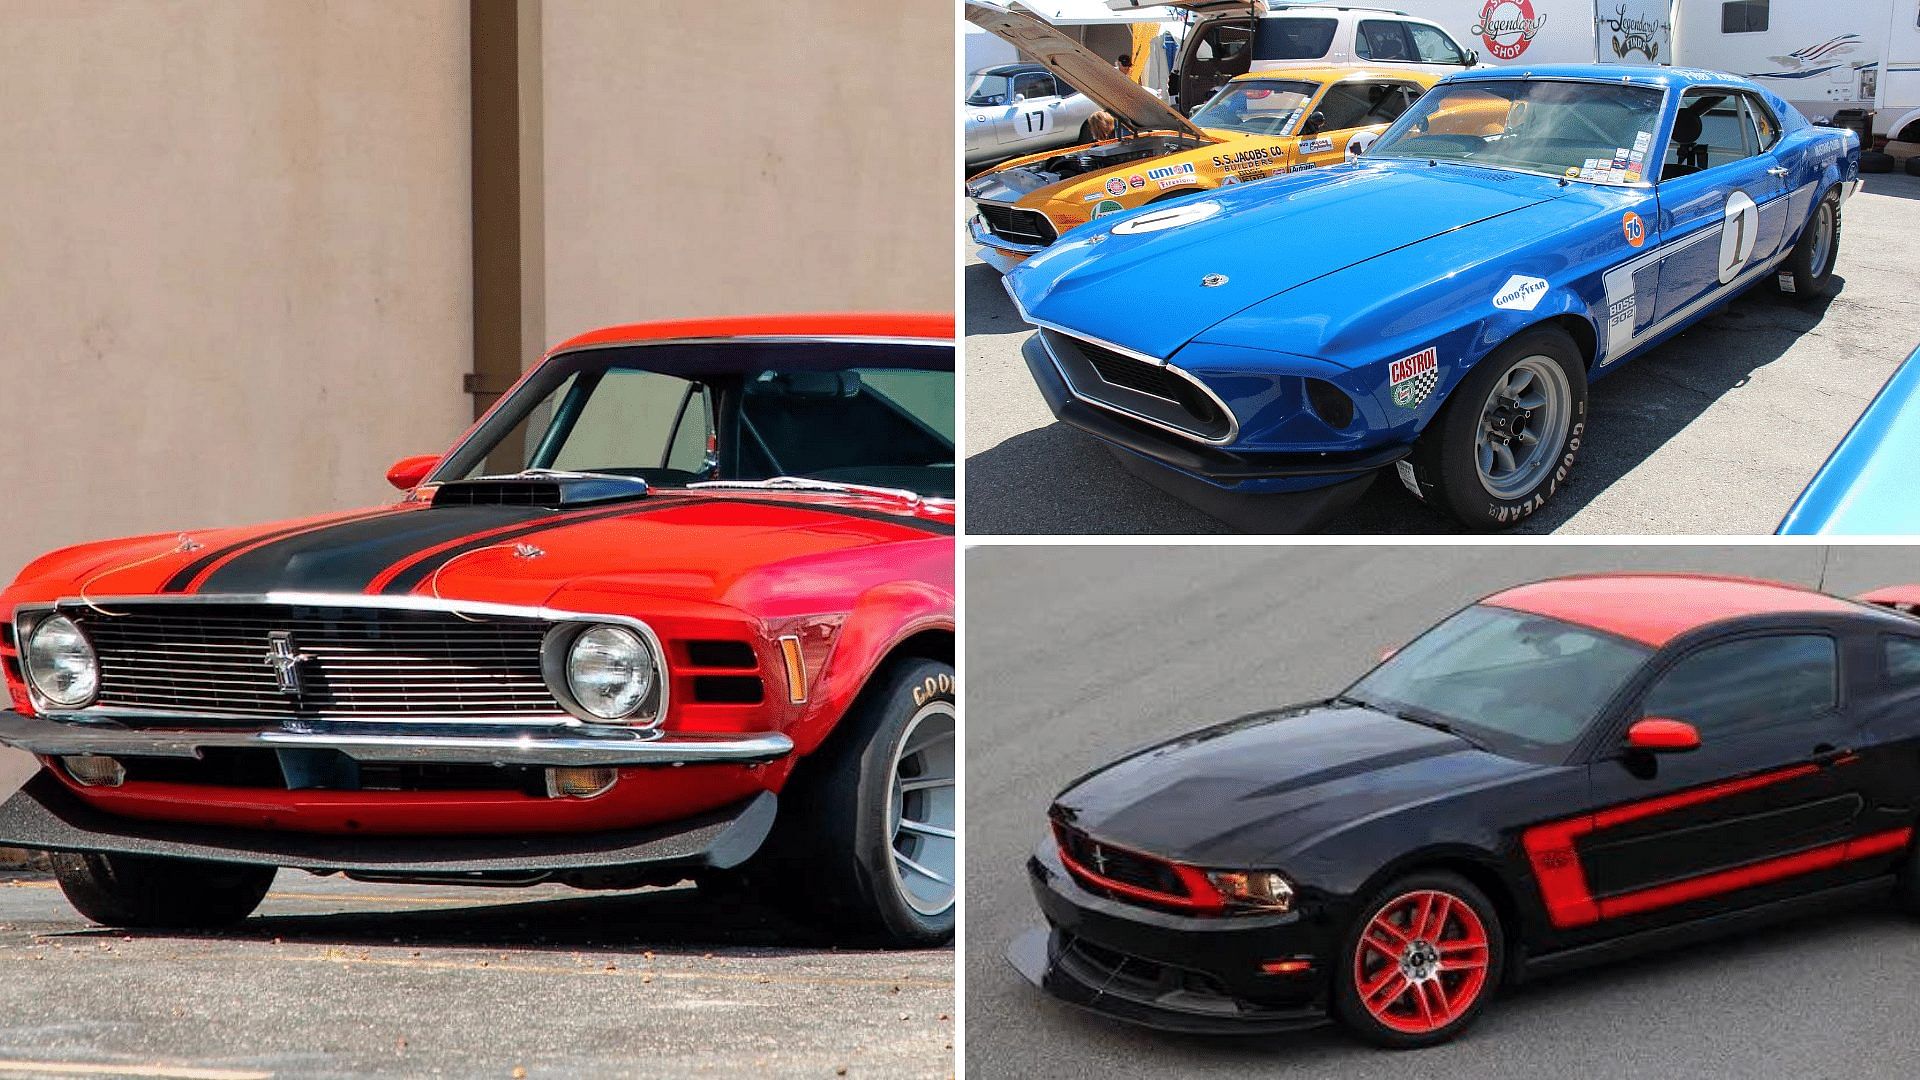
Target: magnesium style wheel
[(140, 891), (1421, 962), (1507, 438), (1808, 272), (867, 825)]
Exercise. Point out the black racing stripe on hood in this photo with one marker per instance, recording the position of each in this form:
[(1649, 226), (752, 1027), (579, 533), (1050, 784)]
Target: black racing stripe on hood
[(905, 521), (180, 580), (345, 558), (410, 578)]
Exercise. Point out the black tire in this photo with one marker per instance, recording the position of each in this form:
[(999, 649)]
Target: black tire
[(1444, 467), (1348, 964), (1873, 161), (1810, 282), (834, 841), (141, 891), (1906, 892), (1912, 165)]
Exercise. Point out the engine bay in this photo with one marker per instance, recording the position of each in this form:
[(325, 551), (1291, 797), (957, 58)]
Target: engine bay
[(1101, 156)]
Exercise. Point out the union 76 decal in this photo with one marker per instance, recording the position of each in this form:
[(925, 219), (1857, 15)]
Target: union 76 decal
[(1413, 377)]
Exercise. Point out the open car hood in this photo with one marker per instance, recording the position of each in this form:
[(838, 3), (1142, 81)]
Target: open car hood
[(1205, 7), (1080, 68)]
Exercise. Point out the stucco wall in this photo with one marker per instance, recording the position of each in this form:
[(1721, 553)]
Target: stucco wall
[(738, 159), (234, 259)]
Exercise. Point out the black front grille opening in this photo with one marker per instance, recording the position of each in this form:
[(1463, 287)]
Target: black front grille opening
[(231, 767), (729, 689), (725, 655), (1121, 865), (1142, 388), (1330, 403), (1020, 226)]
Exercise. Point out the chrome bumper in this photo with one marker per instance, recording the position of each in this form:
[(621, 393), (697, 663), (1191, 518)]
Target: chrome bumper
[(1000, 253), (463, 744)]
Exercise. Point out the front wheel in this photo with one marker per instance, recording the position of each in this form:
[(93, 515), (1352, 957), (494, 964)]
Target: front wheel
[(1421, 962), (1508, 436), (868, 824), (1808, 272), (142, 891)]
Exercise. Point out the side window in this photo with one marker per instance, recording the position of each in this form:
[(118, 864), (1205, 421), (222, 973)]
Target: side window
[(1761, 117), (1381, 39), (1229, 41), (1710, 129), (1433, 46), (1743, 16), (1033, 84), (1749, 684), (1345, 105), (1389, 101), (1900, 656)]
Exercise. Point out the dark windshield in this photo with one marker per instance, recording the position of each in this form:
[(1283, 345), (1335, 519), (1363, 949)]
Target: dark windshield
[(1594, 132), (1526, 685), (1292, 38), (613, 412), (986, 89)]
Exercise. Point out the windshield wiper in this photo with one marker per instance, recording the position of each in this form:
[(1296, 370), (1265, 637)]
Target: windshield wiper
[(1422, 717), (802, 483)]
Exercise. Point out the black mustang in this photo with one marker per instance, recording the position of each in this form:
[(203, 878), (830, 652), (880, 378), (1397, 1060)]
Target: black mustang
[(1563, 771)]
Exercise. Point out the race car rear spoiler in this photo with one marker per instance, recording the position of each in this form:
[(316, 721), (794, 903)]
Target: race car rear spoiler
[(1902, 598)]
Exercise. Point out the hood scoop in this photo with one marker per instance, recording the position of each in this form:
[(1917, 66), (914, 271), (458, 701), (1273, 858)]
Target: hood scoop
[(555, 491)]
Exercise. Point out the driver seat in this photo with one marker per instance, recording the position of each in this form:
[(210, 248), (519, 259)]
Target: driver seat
[(1689, 153)]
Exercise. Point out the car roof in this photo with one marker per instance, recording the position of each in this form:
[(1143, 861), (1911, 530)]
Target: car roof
[(892, 325), (1664, 77), (1339, 73), (1653, 609), (1010, 69)]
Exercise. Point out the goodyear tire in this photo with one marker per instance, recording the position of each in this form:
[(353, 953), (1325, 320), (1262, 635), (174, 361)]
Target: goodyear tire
[(867, 822), (1808, 272), (141, 891), (1507, 438), (1421, 961), (1873, 161)]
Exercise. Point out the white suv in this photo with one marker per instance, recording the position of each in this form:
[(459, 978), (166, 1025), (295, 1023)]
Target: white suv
[(1227, 40)]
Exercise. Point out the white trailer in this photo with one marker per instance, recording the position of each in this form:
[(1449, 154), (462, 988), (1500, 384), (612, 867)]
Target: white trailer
[(1823, 57), (1517, 33)]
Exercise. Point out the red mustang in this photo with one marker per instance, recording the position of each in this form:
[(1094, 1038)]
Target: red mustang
[(680, 606)]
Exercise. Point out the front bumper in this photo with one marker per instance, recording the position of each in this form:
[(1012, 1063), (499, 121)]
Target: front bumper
[(458, 744), (1170, 971), (1001, 254), (1259, 492), (45, 816)]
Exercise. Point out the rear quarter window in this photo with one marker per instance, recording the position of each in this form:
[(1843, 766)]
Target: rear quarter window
[(1900, 662), (1292, 39)]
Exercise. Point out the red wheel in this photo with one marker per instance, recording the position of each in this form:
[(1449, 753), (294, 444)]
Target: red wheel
[(1425, 958)]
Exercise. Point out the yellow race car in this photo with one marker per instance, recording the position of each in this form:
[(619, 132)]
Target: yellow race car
[(1258, 125)]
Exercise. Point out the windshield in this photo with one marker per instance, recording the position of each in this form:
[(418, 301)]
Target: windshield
[(1593, 132), (989, 90), (692, 417), (1526, 685), (1292, 38), (1261, 107)]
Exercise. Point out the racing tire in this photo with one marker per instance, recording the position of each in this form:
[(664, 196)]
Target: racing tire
[(1809, 269), (1912, 165), (1456, 464), (1873, 161), (153, 893), (867, 821), (1421, 961)]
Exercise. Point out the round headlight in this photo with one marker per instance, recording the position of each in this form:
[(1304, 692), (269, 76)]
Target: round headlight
[(61, 663), (610, 672)]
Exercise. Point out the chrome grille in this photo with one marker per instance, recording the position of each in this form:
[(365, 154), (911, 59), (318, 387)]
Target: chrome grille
[(1015, 223), (372, 663)]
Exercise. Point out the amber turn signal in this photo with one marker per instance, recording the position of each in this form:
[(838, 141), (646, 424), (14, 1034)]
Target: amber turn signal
[(94, 770), (578, 783)]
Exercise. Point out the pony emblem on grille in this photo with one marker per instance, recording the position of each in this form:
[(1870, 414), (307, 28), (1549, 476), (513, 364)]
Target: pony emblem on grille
[(285, 660)]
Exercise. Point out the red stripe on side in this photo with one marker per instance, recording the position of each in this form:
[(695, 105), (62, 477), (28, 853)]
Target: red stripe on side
[(1556, 864), (1762, 873)]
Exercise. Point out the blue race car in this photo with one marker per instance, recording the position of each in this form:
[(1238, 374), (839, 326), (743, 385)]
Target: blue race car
[(1866, 486), (1439, 305)]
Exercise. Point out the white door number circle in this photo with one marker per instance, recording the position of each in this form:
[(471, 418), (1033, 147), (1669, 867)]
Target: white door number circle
[(1737, 235)]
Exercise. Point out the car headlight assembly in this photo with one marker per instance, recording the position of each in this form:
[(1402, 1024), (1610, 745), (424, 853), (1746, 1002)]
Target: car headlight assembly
[(61, 663), (1253, 890), (608, 673)]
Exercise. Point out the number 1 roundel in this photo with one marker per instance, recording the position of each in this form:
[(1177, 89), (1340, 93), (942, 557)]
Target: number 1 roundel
[(1737, 235)]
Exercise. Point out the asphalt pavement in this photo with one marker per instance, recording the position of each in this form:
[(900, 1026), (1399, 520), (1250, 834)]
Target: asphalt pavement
[(1715, 432), (1077, 654), (339, 978)]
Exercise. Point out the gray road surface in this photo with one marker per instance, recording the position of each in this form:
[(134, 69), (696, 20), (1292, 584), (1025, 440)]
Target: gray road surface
[(1715, 432), (1075, 655)]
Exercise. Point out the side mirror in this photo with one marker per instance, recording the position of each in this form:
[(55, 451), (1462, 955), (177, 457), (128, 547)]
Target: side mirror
[(1316, 123), (407, 473), (1389, 653), (1473, 58), (1657, 735)]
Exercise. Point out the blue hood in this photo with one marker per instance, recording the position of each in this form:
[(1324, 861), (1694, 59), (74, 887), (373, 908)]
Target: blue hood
[(1142, 291)]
